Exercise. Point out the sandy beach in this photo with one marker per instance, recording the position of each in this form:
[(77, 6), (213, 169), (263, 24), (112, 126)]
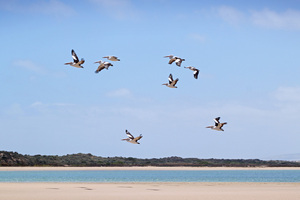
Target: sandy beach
[(145, 191)]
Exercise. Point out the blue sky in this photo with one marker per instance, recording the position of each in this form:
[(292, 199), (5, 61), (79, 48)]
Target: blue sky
[(247, 53)]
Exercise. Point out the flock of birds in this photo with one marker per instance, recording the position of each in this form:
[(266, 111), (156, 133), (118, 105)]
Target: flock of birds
[(171, 84)]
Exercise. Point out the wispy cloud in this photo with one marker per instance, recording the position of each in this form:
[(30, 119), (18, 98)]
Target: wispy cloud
[(53, 7), (197, 37), (57, 108), (288, 100), (288, 94), (123, 92), (14, 110), (40, 104), (29, 65), (230, 14), (118, 9), (289, 19)]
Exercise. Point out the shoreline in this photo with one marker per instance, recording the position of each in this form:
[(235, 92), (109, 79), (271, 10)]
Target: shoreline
[(140, 168)]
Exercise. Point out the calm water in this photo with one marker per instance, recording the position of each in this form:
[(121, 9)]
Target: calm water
[(152, 176)]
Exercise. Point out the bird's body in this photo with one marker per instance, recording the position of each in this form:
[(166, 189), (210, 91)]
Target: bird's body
[(175, 59), (172, 82), (131, 139), (102, 65), (218, 126), (112, 58), (196, 71), (76, 62)]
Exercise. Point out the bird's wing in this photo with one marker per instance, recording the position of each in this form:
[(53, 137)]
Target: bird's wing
[(115, 58), (137, 138), (172, 60), (81, 61), (196, 72), (129, 135), (101, 66), (178, 62), (217, 121), (222, 124), (174, 82), (107, 64), (75, 58), (170, 79)]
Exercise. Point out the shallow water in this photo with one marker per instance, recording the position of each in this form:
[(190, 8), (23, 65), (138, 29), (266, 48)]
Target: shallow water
[(152, 176)]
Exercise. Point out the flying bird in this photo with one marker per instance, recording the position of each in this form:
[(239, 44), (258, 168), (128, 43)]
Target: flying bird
[(196, 71), (172, 82), (102, 65), (131, 139), (112, 58), (218, 126), (175, 59), (76, 62)]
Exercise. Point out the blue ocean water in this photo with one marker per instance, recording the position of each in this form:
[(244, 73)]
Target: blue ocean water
[(152, 176)]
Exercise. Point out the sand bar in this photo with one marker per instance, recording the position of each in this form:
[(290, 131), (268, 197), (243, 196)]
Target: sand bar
[(142, 168), (147, 191)]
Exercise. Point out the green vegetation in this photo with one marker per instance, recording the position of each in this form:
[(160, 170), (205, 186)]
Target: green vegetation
[(84, 160)]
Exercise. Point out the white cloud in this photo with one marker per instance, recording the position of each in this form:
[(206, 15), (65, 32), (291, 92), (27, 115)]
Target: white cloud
[(14, 110), (289, 19), (53, 7), (29, 65), (118, 9), (123, 92), (40, 104), (197, 37), (287, 101), (36, 68), (288, 94), (54, 108), (230, 14), (112, 3)]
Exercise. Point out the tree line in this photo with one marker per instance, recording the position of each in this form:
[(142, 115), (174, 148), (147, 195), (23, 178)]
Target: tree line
[(89, 160)]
